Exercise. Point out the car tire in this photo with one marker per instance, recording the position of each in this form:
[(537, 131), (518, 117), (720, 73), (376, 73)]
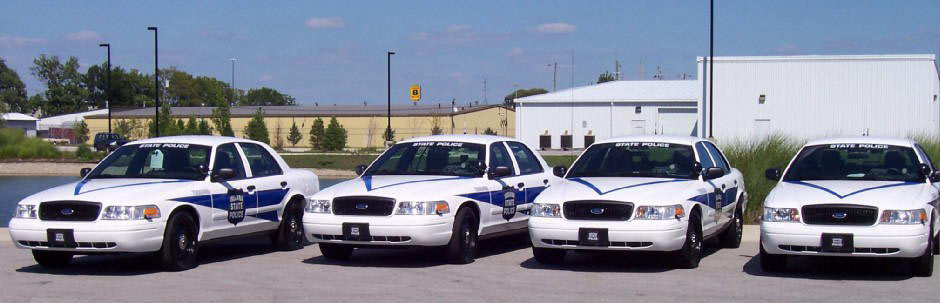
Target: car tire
[(462, 248), (771, 262), (923, 266), (290, 233), (691, 252), (336, 251), (52, 259), (549, 256), (731, 237), (179, 243)]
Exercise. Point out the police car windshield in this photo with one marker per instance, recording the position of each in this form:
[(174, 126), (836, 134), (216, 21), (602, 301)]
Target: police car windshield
[(430, 158), (154, 160), (635, 159), (871, 162)]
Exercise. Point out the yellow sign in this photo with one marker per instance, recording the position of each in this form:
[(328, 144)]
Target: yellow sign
[(415, 92)]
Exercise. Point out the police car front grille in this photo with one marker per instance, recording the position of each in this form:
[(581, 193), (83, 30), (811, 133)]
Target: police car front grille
[(839, 214), (363, 206), (598, 210), (71, 245), (858, 250), (69, 211), (392, 239), (612, 243)]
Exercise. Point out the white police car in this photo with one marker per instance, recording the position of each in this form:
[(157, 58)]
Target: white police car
[(166, 195), (641, 193), (858, 197), (441, 190)]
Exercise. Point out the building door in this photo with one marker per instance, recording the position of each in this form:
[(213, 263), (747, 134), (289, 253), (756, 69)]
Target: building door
[(637, 127), (676, 121)]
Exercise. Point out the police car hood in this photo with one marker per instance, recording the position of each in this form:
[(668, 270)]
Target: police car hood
[(881, 194), (424, 187), (128, 191), (637, 190)]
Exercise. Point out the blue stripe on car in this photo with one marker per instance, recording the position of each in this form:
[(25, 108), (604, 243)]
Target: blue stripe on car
[(367, 180), (599, 192), (852, 193), (80, 184)]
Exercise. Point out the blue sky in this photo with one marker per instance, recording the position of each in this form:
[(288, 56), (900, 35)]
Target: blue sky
[(334, 51)]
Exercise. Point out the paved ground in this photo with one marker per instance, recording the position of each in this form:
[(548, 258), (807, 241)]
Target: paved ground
[(250, 271)]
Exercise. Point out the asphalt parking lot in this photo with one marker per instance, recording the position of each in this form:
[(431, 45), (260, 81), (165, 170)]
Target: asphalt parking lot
[(250, 271)]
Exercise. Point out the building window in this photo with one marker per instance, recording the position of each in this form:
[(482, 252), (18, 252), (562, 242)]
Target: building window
[(638, 109), (761, 99)]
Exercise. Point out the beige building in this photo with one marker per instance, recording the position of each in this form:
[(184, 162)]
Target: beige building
[(364, 124)]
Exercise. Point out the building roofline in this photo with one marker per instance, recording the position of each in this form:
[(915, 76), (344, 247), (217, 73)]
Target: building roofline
[(443, 112), (899, 57)]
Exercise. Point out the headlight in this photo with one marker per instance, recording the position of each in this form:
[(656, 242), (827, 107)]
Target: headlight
[(548, 210), (913, 216), (131, 212), (422, 208), (780, 215), (318, 206), (660, 212), (26, 211)]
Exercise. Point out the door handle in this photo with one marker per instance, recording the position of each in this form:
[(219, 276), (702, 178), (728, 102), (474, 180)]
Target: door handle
[(283, 184), (250, 188)]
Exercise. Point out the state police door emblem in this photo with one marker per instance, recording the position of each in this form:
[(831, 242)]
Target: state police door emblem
[(509, 204), (236, 205)]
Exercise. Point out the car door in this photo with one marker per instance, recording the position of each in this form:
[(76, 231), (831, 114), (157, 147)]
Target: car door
[(711, 212), (534, 176), (270, 185), (232, 199), (728, 184), (505, 191)]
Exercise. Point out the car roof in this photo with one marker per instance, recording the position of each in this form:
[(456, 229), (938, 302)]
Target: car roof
[(200, 140), (479, 139), (686, 140), (863, 139)]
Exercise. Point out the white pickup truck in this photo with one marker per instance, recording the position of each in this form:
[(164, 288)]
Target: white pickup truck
[(641, 193), (446, 191), (167, 195), (853, 197)]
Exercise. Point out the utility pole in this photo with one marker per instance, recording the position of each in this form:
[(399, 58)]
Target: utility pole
[(234, 91), (711, 71), (484, 92), (388, 129), (108, 92), (156, 82), (617, 69), (554, 75)]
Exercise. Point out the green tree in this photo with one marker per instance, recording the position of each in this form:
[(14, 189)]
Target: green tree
[(65, 88), (294, 136), (180, 127), (335, 136), (489, 131), (317, 134), (80, 130), (388, 134), (204, 128), (605, 77), (192, 127), (168, 127), (12, 91), (519, 93), (266, 97), (222, 119), (436, 126), (256, 129), (126, 128)]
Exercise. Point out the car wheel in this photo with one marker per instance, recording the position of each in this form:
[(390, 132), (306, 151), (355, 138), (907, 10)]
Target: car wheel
[(462, 248), (771, 262), (549, 256), (52, 259), (923, 266), (691, 252), (336, 251), (290, 234), (179, 243), (731, 237)]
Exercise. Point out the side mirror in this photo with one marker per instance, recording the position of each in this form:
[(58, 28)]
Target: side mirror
[(223, 174), (772, 174), (360, 169), (935, 177), (713, 173), (499, 171), (559, 171), (84, 171)]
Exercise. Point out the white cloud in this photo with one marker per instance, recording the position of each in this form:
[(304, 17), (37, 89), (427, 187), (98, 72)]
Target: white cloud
[(555, 28), (325, 22), (85, 35), (15, 41)]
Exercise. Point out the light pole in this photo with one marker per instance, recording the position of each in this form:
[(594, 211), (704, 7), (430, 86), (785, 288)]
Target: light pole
[(156, 82), (388, 129), (711, 69), (554, 75), (233, 82), (108, 91)]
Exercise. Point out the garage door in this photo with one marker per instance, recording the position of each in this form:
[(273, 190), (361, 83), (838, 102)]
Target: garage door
[(676, 121)]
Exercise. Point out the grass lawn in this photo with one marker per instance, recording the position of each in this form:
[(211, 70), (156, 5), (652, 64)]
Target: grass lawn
[(345, 162)]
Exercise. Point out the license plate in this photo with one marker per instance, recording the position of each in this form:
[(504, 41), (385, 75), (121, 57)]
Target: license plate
[(60, 237), (356, 231), (837, 243), (593, 237)]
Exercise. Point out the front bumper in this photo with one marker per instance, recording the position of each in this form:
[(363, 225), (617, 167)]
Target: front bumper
[(430, 230), (90, 237), (632, 235), (899, 241)]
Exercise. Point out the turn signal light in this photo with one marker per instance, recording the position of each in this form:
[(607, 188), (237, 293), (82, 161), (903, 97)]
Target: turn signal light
[(441, 208), (151, 212)]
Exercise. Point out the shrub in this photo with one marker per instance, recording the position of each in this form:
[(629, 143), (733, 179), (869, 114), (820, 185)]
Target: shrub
[(81, 131), (317, 134), (752, 158), (15, 145), (335, 136), (256, 129), (294, 136)]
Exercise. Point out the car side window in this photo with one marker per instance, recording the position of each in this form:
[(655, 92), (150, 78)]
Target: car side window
[(226, 156), (500, 157), (703, 156), (718, 157), (260, 161), (528, 163)]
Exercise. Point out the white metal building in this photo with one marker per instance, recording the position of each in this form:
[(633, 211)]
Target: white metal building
[(807, 97), (20, 121), (607, 110), (68, 120)]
